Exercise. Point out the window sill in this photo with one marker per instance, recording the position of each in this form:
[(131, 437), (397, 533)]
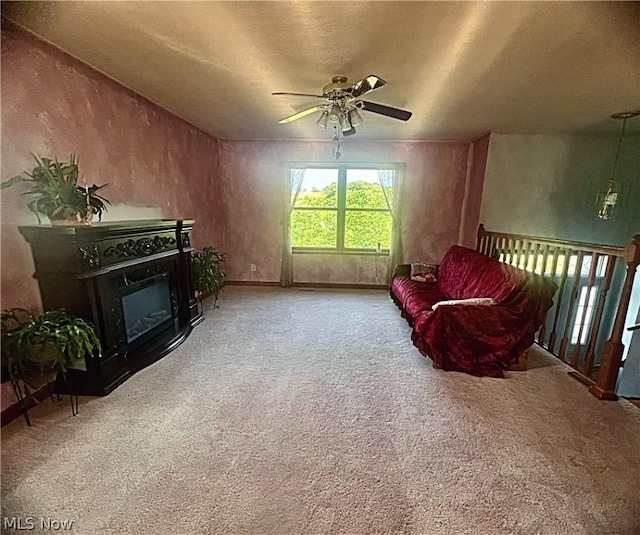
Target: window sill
[(339, 253)]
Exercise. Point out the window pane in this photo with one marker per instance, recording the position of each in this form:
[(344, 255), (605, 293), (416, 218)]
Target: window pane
[(319, 188), (314, 228), (364, 230), (364, 189)]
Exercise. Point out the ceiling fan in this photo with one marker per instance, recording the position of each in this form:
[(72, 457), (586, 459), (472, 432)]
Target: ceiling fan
[(342, 102)]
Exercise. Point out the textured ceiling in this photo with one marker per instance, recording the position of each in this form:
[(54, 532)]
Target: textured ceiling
[(462, 68)]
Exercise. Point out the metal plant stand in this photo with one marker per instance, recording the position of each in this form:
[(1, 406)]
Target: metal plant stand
[(27, 397)]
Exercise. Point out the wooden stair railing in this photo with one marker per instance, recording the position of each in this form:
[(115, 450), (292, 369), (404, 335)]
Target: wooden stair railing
[(584, 327)]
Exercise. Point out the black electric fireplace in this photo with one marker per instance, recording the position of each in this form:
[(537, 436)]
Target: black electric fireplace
[(132, 280), (146, 309)]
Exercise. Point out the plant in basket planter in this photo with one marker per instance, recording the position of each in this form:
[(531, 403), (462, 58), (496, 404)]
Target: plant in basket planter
[(11, 320), (59, 196), (36, 349), (208, 273)]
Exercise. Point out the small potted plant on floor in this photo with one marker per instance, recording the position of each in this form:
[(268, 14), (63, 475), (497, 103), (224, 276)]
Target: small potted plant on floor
[(208, 273), (36, 349), (58, 194), (11, 320)]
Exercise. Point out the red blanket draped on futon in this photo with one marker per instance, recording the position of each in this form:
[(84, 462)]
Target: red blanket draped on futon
[(477, 339)]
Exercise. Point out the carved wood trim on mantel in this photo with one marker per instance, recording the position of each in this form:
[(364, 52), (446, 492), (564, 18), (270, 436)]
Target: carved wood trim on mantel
[(140, 247)]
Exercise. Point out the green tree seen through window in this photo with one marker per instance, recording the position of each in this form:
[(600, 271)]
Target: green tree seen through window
[(360, 220)]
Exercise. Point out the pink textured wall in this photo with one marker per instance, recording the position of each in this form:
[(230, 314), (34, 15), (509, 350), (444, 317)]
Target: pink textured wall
[(254, 192), (340, 269), (473, 196), (52, 105)]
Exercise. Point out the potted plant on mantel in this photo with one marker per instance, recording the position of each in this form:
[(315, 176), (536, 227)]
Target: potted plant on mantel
[(208, 273), (59, 196)]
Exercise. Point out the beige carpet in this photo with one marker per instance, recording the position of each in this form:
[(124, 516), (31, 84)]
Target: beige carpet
[(310, 412)]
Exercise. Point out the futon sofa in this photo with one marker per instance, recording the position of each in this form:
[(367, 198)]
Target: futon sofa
[(478, 316)]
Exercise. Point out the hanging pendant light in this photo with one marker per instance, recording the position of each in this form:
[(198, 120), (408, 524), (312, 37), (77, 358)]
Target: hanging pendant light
[(607, 200), (608, 197)]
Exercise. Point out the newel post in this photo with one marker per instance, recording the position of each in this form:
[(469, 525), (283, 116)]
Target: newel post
[(604, 387), (481, 234)]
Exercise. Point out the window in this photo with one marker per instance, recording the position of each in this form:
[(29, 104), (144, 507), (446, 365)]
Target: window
[(342, 208)]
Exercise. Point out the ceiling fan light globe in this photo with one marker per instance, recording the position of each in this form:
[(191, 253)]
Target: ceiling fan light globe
[(345, 125), (323, 120), (355, 118), (334, 113)]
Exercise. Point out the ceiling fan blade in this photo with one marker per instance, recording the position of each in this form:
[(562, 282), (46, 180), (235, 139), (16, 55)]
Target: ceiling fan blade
[(365, 85), (298, 94), (301, 114), (394, 113)]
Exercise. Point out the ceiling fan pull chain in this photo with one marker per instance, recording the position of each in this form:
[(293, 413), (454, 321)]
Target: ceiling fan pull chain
[(336, 140)]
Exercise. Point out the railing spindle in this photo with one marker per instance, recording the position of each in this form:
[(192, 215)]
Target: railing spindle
[(543, 329), (552, 275), (489, 252), (516, 253), (563, 282), (536, 253), (602, 297), (545, 260), (500, 249), (510, 244), (554, 262), (484, 246), (529, 257), (573, 297), (575, 356)]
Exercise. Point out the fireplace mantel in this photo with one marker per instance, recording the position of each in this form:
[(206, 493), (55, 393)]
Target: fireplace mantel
[(88, 269)]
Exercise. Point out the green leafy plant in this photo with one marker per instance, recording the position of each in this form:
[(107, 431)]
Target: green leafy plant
[(11, 320), (367, 220), (58, 194), (208, 272), (49, 343)]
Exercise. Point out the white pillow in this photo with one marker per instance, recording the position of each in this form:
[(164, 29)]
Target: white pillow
[(466, 302)]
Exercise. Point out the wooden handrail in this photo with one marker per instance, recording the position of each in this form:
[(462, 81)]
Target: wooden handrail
[(578, 320), (618, 250)]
